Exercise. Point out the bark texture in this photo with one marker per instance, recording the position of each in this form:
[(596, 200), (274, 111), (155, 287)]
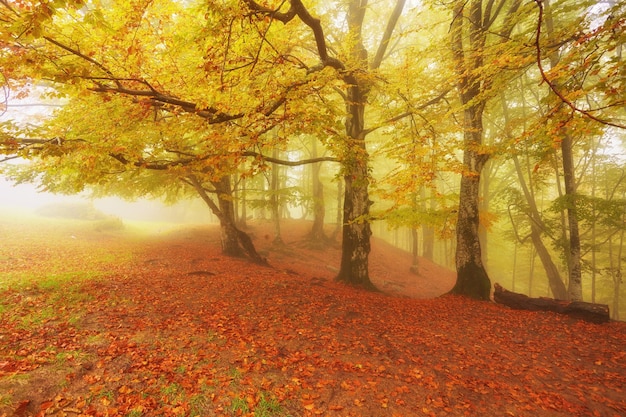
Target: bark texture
[(594, 313), (235, 242)]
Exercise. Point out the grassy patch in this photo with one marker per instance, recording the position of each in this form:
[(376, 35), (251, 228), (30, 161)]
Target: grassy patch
[(173, 393), (134, 413), (239, 405), (37, 317), (6, 401), (268, 406), (199, 405)]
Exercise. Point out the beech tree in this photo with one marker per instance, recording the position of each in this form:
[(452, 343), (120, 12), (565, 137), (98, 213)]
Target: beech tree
[(576, 103), (143, 58), (354, 71), (479, 30)]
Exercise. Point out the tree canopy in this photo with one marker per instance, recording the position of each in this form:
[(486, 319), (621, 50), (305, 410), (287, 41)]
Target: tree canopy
[(457, 115)]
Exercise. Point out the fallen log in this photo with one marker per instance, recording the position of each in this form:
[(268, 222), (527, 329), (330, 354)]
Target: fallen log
[(591, 312)]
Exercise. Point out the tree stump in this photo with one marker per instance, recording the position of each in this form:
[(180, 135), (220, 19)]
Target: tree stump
[(591, 312)]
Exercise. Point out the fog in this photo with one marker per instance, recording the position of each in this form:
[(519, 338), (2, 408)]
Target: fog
[(26, 199)]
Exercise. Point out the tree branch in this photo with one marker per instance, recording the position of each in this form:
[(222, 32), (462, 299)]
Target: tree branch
[(555, 90), (290, 163), (298, 9), (408, 113), (384, 43)]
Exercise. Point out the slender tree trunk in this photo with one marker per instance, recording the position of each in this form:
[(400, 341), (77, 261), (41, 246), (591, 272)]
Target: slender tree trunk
[(319, 207), (243, 220), (593, 227), (574, 290), (531, 273), (536, 229), (428, 231), (573, 252), (514, 271), (414, 249), (615, 265), (274, 199), (339, 218), (485, 179)]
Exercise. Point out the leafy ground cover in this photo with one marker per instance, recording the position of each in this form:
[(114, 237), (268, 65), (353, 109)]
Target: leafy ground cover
[(115, 323)]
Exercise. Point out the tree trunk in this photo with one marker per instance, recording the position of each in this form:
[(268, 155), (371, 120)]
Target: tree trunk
[(243, 220), (428, 230), (319, 208), (472, 279), (414, 251), (339, 218), (573, 253), (235, 242), (536, 224), (594, 313), (483, 207), (356, 232), (574, 290), (274, 199)]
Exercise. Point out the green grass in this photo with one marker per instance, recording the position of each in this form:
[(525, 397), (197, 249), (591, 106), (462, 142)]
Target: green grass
[(268, 406), (199, 405), (37, 317), (6, 401), (235, 374), (54, 280), (173, 393), (134, 413), (239, 405)]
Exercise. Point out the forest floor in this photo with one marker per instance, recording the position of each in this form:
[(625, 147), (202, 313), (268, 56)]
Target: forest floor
[(116, 323)]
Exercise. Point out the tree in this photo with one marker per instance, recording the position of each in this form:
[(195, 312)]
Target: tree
[(354, 71), (472, 24), (138, 60), (576, 99)]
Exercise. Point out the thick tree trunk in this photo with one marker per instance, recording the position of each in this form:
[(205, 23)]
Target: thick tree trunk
[(356, 232), (472, 279), (595, 313)]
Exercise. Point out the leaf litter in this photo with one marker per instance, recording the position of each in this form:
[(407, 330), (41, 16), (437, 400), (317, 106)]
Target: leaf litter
[(178, 330)]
